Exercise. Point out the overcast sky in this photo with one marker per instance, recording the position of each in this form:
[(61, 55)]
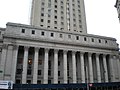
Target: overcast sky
[(101, 16)]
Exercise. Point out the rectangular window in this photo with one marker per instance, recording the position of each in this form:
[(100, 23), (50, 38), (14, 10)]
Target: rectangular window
[(29, 72), (52, 34), (33, 31), (49, 72), (42, 20), (23, 31), (39, 72), (58, 73), (61, 36), (42, 33), (77, 37)]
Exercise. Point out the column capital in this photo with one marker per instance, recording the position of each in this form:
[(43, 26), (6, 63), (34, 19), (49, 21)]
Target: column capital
[(81, 52), (46, 49), (65, 51), (56, 50), (26, 47), (4, 46), (73, 51)]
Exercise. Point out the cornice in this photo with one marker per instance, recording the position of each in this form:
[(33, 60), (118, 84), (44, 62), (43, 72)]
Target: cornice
[(47, 40)]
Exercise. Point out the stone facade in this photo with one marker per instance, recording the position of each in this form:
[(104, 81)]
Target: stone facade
[(30, 54)]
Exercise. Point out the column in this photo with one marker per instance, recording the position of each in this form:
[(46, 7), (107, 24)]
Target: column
[(8, 62), (35, 69), (65, 67), (82, 67), (90, 67), (112, 75), (98, 68), (3, 59), (45, 77), (118, 65), (14, 62), (55, 66), (25, 62), (74, 67), (105, 72)]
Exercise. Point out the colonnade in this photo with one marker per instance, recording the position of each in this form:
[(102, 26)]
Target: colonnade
[(107, 66)]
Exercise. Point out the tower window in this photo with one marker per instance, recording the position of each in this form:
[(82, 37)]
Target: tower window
[(42, 14), (42, 20)]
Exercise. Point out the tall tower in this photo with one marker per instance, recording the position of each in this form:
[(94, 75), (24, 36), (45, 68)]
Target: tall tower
[(63, 15), (117, 5)]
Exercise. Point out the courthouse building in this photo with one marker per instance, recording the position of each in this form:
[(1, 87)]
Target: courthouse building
[(56, 48)]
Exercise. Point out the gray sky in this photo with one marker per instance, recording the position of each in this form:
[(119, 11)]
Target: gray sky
[(101, 16)]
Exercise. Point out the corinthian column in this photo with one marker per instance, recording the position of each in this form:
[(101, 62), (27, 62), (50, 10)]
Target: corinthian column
[(55, 67), (74, 67), (35, 69), (90, 67), (25, 62), (65, 67), (82, 67), (98, 68), (45, 77), (105, 68)]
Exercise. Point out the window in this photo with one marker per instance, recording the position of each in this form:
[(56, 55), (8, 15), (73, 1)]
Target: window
[(55, 27), (99, 41), (40, 62), (92, 40), (42, 20), (29, 81), (48, 21), (55, 22), (39, 72), (38, 81), (33, 31), (61, 36), (42, 14), (49, 72), (55, 11), (23, 31), (55, 17), (85, 39), (69, 36), (106, 41), (58, 73), (30, 61), (19, 71), (42, 33), (48, 26), (52, 34), (49, 81), (18, 81), (77, 37), (58, 63), (55, 6), (29, 72)]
